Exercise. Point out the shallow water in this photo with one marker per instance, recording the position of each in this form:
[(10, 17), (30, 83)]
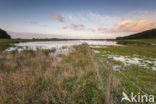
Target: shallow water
[(57, 44), (135, 61)]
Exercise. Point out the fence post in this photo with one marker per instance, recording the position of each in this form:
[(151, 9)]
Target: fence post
[(110, 68)]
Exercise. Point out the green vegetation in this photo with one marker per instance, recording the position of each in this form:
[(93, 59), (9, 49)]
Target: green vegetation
[(130, 50), (142, 77), (145, 42), (4, 35), (33, 77), (5, 43), (149, 34), (48, 51), (116, 89), (138, 76)]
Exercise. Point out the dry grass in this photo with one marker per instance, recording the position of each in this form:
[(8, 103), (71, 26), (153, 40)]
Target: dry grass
[(32, 77)]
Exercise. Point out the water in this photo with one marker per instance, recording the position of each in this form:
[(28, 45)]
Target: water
[(136, 61), (57, 44)]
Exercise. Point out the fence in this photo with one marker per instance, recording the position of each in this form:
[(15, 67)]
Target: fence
[(112, 95)]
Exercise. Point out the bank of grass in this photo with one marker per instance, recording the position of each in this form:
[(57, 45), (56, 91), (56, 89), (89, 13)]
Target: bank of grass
[(33, 77), (5, 43), (139, 79), (144, 78), (146, 42), (130, 50)]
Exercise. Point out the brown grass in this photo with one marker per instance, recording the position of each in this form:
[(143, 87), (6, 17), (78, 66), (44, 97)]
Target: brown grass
[(32, 77)]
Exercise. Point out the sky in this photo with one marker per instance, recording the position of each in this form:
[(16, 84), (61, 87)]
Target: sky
[(99, 19)]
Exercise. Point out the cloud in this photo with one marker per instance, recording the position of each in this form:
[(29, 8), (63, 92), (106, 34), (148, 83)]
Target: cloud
[(122, 26), (102, 29), (79, 27), (91, 29), (144, 20), (74, 26), (141, 14), (58, 17), (91, 18), (33, 22), (133, 26)]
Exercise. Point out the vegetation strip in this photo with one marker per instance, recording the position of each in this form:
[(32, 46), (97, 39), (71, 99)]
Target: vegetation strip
[(91, 54)]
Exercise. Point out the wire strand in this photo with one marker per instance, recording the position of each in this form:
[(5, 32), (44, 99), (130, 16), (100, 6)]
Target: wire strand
[(132, 82)]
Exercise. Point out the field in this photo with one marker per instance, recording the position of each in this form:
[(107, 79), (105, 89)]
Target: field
[(32, 77), (77, 77), (132, 77)]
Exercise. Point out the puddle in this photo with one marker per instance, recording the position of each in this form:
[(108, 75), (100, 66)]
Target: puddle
[(135, 61), (61, 51), (96, 51), (98, 46), (116, 67)]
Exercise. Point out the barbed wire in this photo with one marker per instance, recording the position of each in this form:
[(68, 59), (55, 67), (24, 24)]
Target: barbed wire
[(132, 82)]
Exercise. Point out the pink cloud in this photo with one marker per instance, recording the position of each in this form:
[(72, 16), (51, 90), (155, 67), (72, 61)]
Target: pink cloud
[(91, 29), (133, 26), (78, 27), (58, 17), (74, 26), (102, 29)]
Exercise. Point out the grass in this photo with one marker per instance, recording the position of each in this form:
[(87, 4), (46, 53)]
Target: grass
[(5, 43), (116, 90), (130, 50), (33, 77), (146, 42), (142, 77), (48, 51)]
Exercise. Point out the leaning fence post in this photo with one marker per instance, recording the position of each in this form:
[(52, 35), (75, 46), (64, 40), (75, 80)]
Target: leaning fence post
[(110, 67)]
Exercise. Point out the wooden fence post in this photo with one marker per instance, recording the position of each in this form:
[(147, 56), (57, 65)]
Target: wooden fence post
[(107, 96)]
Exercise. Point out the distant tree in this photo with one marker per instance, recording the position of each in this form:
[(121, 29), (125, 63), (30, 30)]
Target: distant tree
[(34, 38), (4, 35)]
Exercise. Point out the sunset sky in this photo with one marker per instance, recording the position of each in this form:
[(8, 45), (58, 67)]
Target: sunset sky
[(76, 18)]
